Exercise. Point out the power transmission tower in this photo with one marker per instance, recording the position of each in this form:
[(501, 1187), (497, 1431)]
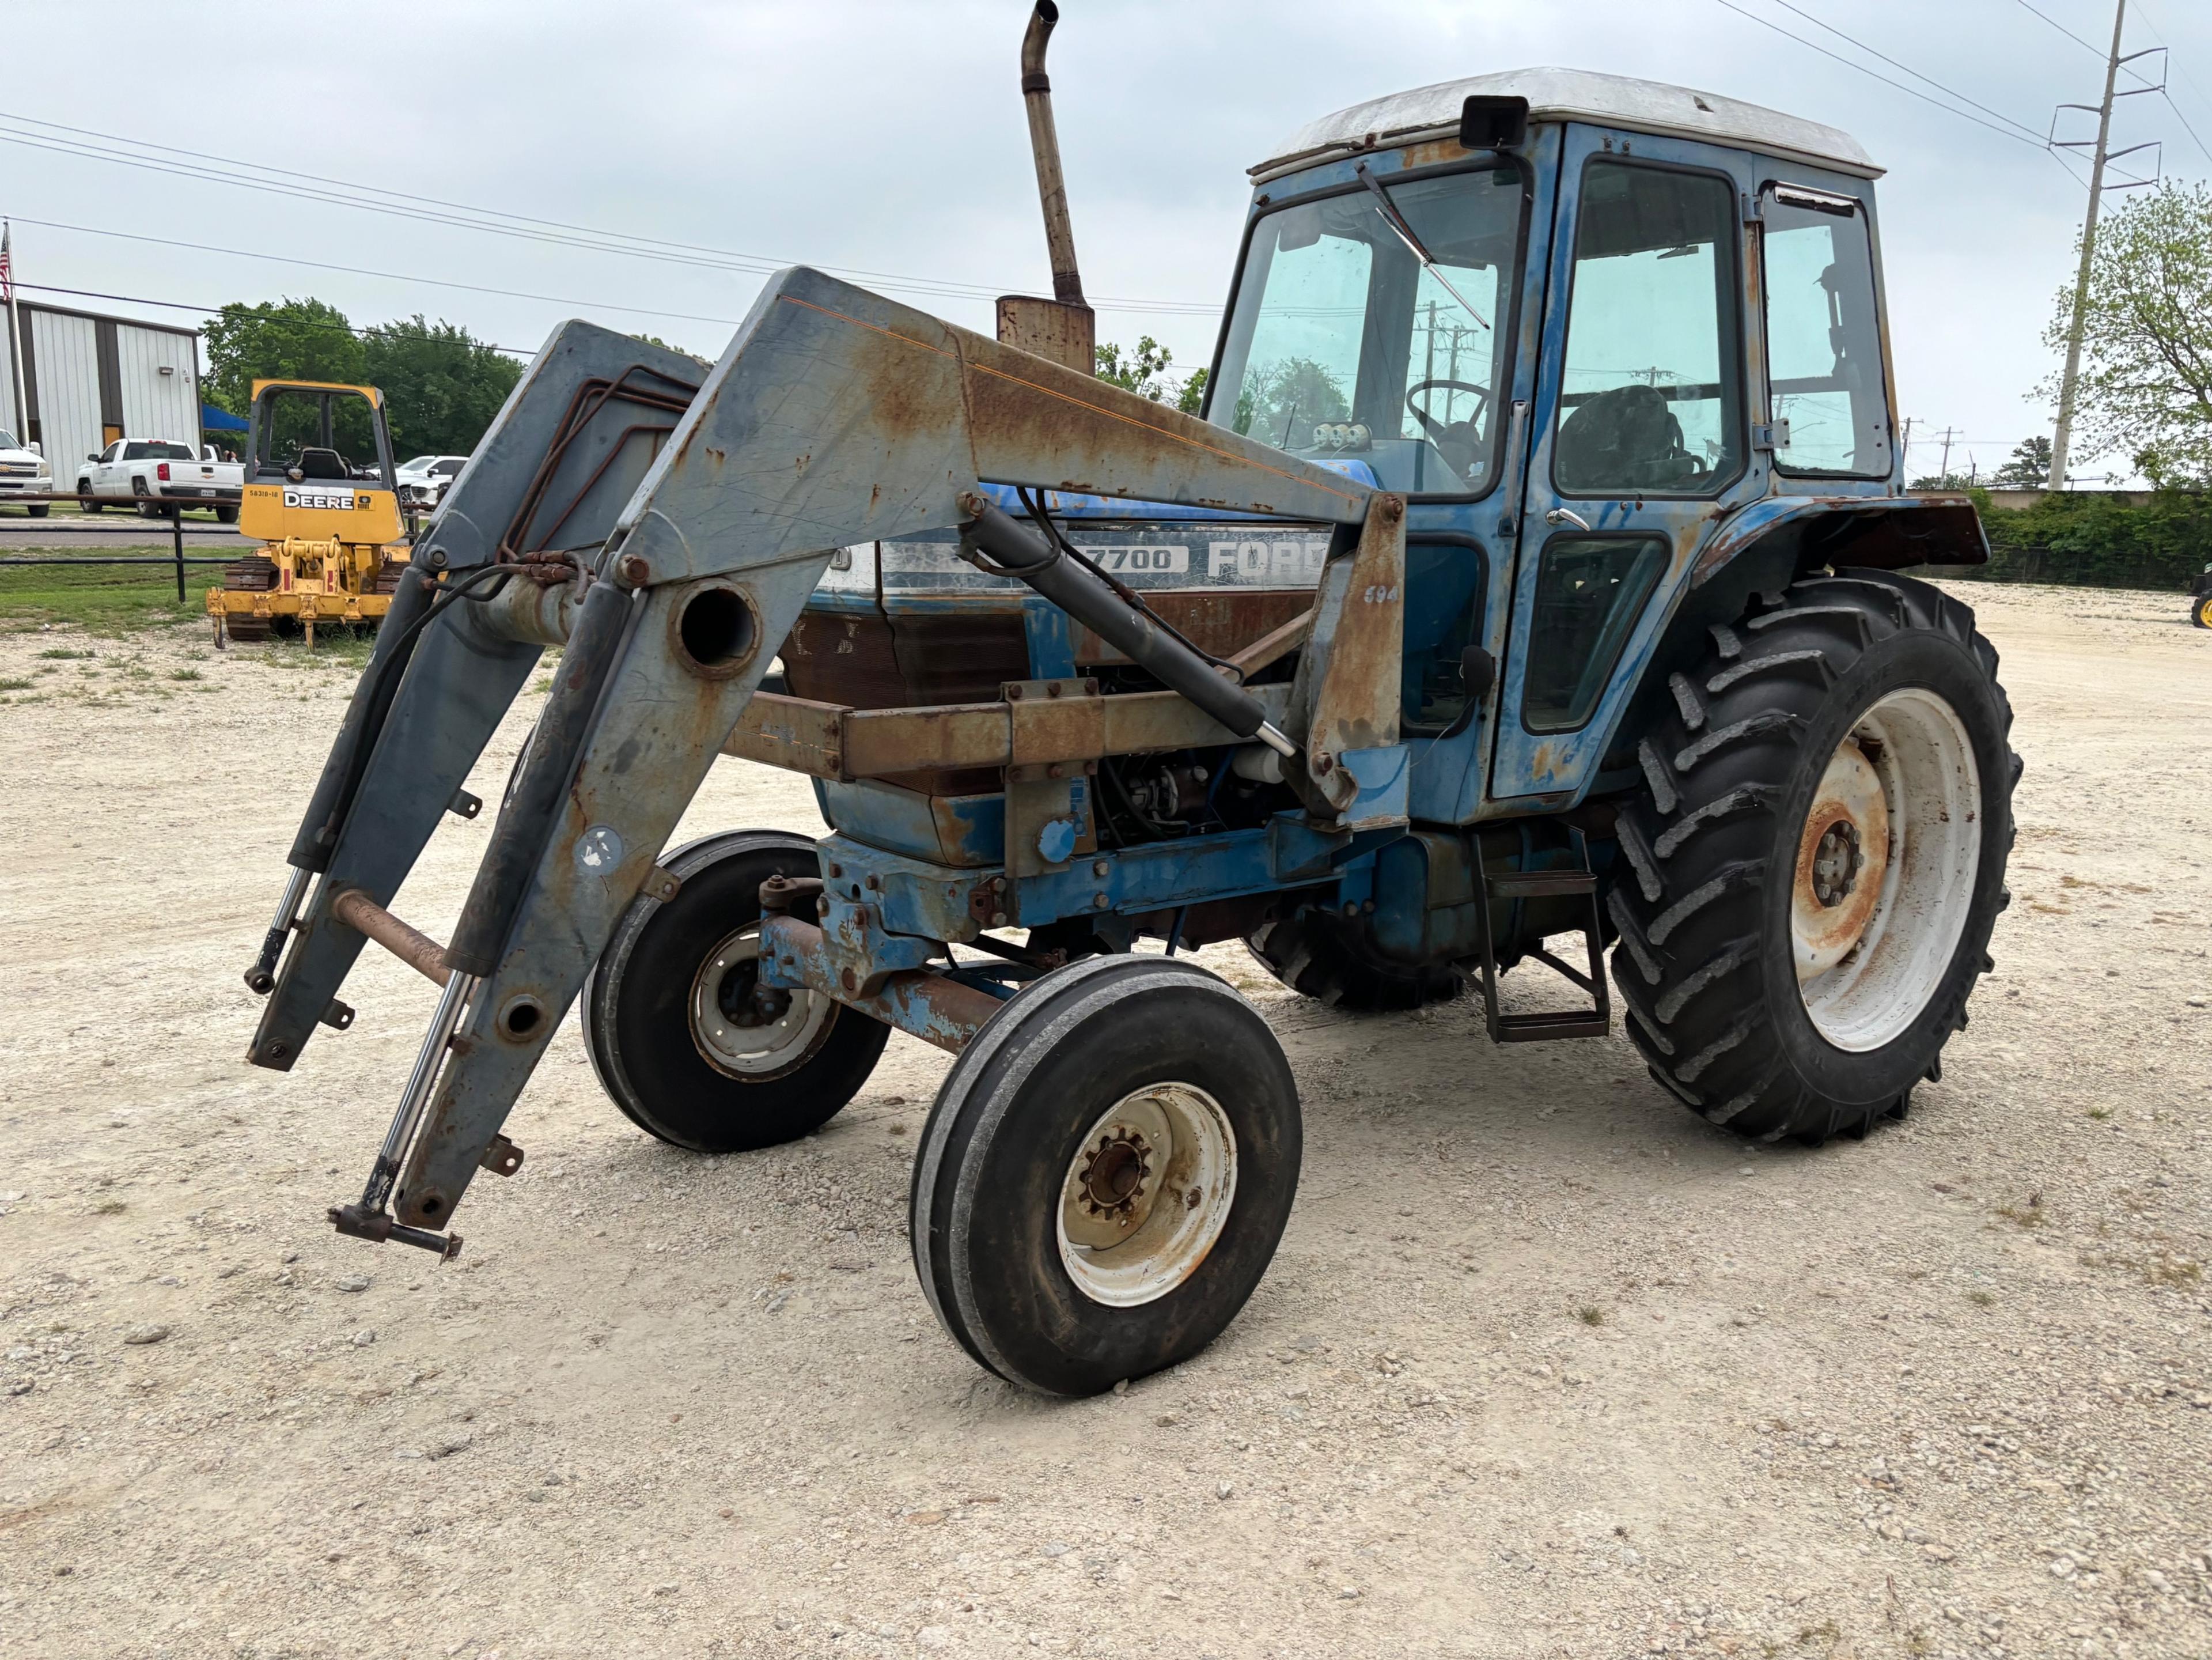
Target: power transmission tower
[(2063, 430)]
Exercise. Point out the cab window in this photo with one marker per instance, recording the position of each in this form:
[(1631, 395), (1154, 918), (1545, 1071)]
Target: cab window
[(1823, 345), (1341, 344), (1651, 401)]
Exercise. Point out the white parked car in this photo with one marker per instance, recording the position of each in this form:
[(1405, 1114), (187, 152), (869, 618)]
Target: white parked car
[(150, 470), (424, 480), (24, 471)]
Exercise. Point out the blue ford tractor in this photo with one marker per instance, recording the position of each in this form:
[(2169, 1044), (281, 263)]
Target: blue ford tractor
[(1530, 584)]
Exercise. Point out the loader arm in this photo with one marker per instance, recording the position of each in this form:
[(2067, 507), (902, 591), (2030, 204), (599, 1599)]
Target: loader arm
[(835, 416)]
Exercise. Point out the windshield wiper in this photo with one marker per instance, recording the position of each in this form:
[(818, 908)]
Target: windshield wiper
[(1396, 221)]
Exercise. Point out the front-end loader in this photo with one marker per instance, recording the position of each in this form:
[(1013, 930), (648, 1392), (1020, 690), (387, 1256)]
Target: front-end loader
[(1532, 583)]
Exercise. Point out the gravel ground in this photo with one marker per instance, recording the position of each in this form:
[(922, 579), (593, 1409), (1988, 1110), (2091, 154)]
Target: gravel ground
[(1546, 1366)]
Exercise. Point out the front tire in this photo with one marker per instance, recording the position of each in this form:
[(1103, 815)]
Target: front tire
[(2200, 610), (1106, 1174), (86, 501), (683, 1038), (38, 509), (1817, 857)]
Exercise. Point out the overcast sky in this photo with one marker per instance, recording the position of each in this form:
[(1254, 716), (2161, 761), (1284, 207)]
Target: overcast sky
[(890, 138)]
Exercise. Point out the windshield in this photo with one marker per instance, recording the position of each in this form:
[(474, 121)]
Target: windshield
[(1343, 343), (7, 440), (420, 463)]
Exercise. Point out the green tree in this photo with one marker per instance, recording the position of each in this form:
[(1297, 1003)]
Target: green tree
[(1149, 372), (1281, 402), (1144, 371), (2028, 466), (2145, 389), (276, 340), (441, 385)]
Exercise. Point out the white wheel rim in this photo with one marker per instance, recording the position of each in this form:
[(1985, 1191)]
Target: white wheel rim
[(1886, 860), (757, 1040), (1147, 1194)]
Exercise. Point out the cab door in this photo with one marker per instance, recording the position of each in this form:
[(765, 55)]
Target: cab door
[(1642, 441)]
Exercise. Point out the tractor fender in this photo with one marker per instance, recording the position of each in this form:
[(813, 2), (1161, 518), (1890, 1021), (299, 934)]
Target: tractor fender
[(1769, 543)]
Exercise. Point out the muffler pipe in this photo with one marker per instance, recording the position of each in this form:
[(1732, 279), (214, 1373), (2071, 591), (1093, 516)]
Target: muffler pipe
[(1044, 145)]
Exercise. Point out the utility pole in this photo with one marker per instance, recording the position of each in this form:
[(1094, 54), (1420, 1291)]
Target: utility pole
[(15, 328), (1945, 471), (2064, 429), (1905, 453)]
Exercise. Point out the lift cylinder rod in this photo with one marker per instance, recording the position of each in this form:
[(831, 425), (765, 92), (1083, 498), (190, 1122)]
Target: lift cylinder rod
[(1084, 595)]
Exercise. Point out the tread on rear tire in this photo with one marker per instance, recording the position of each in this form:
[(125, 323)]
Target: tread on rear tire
[(1714, 852)]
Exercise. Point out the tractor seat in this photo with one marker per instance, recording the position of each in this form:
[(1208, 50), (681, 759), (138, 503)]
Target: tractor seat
[(321, 464)]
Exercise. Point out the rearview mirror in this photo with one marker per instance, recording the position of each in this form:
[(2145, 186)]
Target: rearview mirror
[(1492, 123)]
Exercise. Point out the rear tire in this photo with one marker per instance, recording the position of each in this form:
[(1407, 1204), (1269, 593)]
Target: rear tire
[(1106, 1174), (683, 1039), (226, 514), (1784, 977), (1327, 958)]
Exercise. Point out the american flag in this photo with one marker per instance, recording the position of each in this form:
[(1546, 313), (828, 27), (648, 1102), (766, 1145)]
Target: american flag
[(7, 272)]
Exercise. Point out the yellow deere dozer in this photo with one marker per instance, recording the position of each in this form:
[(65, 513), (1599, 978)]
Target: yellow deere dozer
[(321, 495)]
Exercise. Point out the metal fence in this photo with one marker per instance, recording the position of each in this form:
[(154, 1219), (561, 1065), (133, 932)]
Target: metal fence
[(172, 511)]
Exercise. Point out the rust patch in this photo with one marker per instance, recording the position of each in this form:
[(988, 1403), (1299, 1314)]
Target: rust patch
[(1843, 854)]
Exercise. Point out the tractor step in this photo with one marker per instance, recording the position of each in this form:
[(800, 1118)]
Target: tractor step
[(1543, 1027)]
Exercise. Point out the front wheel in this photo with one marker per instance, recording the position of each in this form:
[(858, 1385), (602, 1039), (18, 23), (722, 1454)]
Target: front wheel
[(1105, 1174), (86, 501), (685, 1039), (38, 509), (2200, 610), (1818, 856)]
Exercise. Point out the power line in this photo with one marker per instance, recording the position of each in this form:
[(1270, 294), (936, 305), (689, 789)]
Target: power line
[(314, 187), (392, 330), (360, 270), (2185, 75), (1913, 92), (1907, 68)]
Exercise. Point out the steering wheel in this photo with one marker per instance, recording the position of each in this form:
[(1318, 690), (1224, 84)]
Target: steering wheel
[(1458, 441)]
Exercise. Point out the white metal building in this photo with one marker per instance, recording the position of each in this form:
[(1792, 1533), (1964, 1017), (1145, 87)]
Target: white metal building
[(90, 379)]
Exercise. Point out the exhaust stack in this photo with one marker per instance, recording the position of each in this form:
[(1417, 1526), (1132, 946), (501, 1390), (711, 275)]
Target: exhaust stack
[(1062, 328)]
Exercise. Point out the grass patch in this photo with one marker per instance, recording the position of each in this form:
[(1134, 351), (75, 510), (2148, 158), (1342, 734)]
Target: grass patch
[(64, 654), (185, 674), (2100, 1113), (2029, 1214), (1982, 1300), (1591, 1315), (107, 600), (14, 685)]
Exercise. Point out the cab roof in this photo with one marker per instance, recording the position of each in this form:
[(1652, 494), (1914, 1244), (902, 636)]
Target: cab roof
[(1558, 94)]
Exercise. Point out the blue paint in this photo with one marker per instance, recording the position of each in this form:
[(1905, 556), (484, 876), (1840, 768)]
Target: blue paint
[(1052, 651)]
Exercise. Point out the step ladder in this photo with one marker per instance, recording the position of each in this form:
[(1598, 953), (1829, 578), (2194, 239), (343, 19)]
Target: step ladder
[(1516, 885)]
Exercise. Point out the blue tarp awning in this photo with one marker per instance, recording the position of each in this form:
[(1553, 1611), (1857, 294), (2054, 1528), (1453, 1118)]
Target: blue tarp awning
[(214, 420)]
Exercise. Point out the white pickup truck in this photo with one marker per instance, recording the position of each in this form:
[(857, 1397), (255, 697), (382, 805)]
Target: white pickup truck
[(148, 473), (23, 471)]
